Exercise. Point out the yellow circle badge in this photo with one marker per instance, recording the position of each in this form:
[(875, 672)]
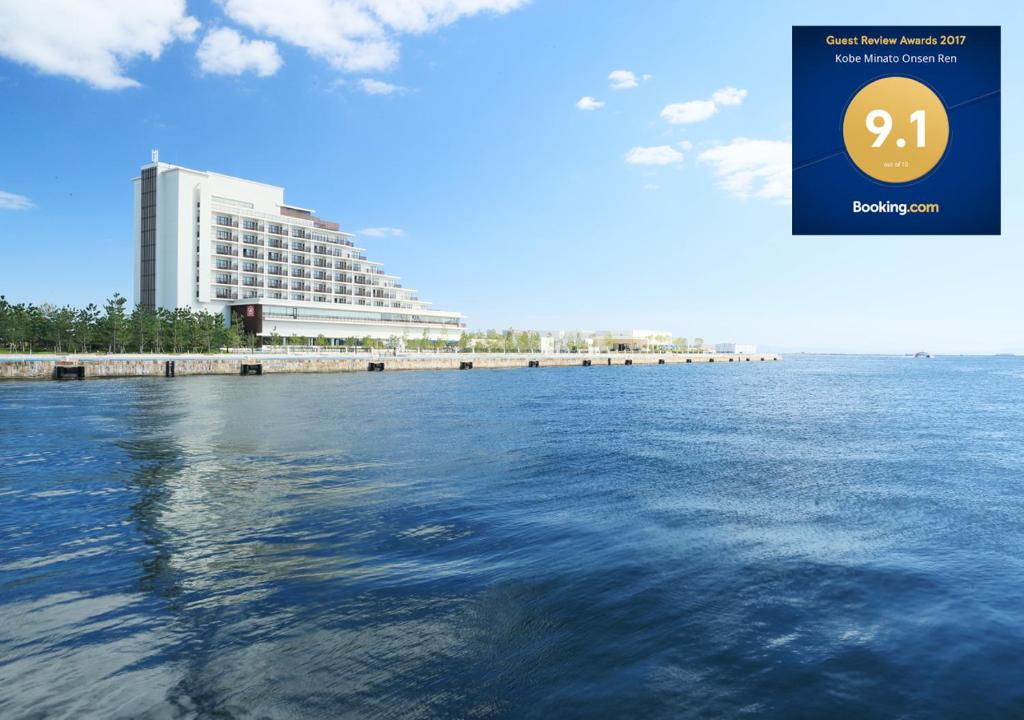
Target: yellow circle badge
[(896, 129)]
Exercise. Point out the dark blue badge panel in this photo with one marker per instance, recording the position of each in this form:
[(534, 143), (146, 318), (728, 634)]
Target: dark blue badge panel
[(896, 130)]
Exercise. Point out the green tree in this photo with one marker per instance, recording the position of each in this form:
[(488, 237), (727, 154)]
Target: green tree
[(115, 323), (6, 323), (62, 323), (36, 325), (142, 328), (207, 330), (85, 327)]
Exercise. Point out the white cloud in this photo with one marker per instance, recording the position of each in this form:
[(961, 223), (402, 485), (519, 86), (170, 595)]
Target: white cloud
[(646, 76), (622, 79), (379, 87), (700, 110), (225, 52), (651, 186), (753, 168), (355, 35), (588, 103), (685, 145), (11, 201), (689, 112), (91, 41), (728, 96), (382, 232), (656, 155)]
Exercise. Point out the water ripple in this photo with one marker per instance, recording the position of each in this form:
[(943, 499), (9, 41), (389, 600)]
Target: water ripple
[(821, 537)]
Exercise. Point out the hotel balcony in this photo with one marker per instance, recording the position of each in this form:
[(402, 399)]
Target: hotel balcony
[(250, 253), (276, 271), (226, 250), (252, 282), (226, 265), (277, 284), (223, 279), (225, 221)]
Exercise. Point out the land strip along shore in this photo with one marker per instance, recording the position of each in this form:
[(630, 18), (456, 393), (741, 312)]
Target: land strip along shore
[(45, 367)]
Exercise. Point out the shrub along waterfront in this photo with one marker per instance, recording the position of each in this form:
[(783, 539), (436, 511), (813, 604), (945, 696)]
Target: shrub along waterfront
[(112, 328)]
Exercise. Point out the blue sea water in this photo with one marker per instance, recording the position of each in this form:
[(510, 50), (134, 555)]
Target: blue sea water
[(823, 537)]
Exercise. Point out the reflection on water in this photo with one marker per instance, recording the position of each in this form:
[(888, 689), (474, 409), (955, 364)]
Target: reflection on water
[(820, 537)]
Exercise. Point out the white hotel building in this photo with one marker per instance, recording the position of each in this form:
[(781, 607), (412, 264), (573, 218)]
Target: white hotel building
[(212, 242)]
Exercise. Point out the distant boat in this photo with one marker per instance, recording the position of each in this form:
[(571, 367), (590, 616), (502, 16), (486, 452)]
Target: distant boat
[(921, 354)]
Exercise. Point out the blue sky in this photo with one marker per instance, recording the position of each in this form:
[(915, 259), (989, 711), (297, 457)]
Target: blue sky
[(516, 206)]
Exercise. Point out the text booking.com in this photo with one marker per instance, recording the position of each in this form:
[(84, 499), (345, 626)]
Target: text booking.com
[(892, 208)]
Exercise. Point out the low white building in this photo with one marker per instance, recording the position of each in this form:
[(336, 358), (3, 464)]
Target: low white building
[(735, 348), (604, 340)]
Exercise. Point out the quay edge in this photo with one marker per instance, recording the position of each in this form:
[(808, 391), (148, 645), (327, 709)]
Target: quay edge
[(45, 367)]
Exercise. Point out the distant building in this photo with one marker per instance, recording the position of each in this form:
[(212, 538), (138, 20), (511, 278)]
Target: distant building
[(206, 241), (604, 340), (737, 348), (637, 340)]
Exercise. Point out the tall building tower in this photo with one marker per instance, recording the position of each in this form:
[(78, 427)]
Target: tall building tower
[(213, 242)]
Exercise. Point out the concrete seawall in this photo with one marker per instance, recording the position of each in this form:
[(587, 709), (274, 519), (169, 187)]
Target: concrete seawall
[(47, 367)]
